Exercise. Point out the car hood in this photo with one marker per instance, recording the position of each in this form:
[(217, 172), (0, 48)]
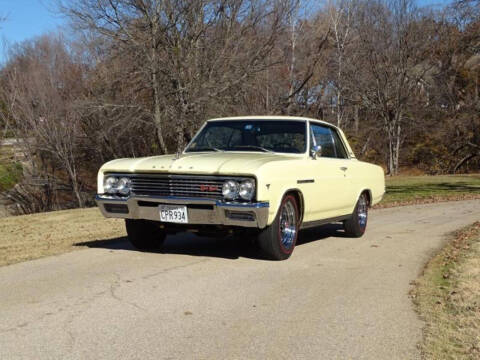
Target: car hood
[(212, 163)]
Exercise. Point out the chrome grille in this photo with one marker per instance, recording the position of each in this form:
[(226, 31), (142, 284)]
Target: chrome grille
[(177, 185)]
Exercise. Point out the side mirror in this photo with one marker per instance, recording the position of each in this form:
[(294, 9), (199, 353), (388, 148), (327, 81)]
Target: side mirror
[(316, 151)]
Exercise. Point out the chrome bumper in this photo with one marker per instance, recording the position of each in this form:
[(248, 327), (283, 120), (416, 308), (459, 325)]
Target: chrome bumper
[(200, 211)]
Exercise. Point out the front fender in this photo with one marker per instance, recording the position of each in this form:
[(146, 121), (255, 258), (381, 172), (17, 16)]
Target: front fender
[(274, 191)]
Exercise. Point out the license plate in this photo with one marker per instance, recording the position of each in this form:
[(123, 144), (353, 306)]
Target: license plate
[(173, 214)]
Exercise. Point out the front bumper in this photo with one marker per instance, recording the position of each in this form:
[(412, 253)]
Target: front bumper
[(200, 211)]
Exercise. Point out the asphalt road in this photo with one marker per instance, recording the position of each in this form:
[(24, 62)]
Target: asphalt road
[(212, 299)]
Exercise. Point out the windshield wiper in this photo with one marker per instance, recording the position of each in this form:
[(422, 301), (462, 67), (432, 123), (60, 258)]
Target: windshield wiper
[(253, 147), (205, 149)]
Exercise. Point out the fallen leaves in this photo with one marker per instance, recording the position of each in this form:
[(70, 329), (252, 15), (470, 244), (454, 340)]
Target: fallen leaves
[(447, 297), (427, 200)]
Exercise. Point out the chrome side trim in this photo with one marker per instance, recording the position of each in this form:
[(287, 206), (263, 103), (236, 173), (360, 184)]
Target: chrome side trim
[(243, 205), (311, 224), (305, 181)]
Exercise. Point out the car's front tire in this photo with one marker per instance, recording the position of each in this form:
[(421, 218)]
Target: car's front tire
[(356, 225), (144, 234), (278, 240)]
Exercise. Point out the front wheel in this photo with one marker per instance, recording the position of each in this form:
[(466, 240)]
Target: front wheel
[(278, 240), (357, 224), (144, 234)]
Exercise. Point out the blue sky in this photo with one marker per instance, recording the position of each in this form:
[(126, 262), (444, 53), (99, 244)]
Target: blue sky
[(26, 19), (29, 18)]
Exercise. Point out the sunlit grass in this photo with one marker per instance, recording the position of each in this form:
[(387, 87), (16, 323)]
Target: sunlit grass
[(406, 189), (29, 237)]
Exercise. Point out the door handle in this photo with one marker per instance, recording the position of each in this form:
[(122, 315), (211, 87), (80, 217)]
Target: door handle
[(344, 168)]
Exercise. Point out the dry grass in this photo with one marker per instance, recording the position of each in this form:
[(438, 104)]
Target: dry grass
[(448, 299), (409, 190), (33, 236)]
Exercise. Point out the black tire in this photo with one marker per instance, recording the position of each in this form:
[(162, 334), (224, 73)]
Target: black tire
[(270, 238), (357, 224), (144, 234)]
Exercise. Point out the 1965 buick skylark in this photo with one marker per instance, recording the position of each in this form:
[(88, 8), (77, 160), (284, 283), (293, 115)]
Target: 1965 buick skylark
[(264, 176)]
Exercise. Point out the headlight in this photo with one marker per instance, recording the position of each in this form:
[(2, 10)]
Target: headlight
[(123, 186), (114, 185), (247, 189), (110, 184), (230, 190)]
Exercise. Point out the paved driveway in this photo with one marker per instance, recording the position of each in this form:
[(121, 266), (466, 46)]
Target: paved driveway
[(212, 299)]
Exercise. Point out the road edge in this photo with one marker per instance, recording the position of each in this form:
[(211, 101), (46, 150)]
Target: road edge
[(443, 297)]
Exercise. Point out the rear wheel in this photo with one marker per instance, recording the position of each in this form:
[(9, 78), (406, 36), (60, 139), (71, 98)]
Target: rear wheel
[(357, 224), (278, 240), (144, 234)]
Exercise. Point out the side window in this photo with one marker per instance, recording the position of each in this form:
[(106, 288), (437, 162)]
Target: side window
[(339, 148), (329, 140), (323, 137)]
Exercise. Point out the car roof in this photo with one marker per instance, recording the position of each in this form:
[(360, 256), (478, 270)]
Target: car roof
[(271, 117)]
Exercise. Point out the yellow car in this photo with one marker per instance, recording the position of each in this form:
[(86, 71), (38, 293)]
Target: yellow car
[(262, 176)]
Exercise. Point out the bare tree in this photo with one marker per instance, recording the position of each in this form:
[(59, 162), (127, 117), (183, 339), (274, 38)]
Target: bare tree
[(133, 26), (295, 79), (189, 52), (39, 88), (391, 60), (341, 15)]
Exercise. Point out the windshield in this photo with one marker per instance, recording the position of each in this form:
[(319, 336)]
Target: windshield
[(251, 135)]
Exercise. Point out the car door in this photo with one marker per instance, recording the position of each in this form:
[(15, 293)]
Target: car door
[(332, 190)]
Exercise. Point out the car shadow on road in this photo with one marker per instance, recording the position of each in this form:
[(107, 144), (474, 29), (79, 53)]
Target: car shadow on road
[(226, 248)]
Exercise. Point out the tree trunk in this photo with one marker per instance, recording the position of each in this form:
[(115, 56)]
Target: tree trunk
[(292, 67), (157, 115), (394, 132), (390, 167), (76, 191), (339, 108), (356, 118), (75, 186), (398, 139), (157, 111), (180, 136)]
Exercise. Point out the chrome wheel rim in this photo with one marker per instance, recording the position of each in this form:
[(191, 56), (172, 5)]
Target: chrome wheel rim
[(288, 225), (362, 212)]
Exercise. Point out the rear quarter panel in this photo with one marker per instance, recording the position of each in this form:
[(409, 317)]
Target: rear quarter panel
[(366, 176)]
